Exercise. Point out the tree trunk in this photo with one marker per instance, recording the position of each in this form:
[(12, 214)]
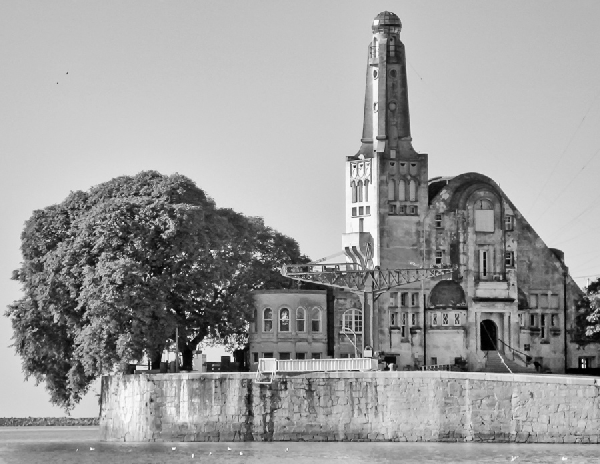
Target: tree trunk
[(187, 356)]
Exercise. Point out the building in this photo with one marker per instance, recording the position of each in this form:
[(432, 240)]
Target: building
[(507, 291)]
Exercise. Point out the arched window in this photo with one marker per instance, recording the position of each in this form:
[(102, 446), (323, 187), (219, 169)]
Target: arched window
[(391, 190), (359, 189), (300, 320), (315, 320), (268, 320), (412, 191), (402, 190), (284, 320), (366, 189), (352, 320), (353, 187)]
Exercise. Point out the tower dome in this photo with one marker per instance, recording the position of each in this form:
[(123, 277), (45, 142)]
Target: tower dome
[(386, 21)]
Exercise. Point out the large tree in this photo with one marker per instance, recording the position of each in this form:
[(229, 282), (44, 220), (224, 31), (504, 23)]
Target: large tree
[(587, 319), (109, 275)]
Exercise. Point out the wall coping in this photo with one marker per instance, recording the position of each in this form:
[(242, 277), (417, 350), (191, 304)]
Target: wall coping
[(525, 378)]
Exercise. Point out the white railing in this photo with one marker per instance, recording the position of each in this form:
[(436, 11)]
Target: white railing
[(269, 367), (438, 367)]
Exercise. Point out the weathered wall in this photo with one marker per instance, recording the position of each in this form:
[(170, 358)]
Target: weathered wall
[(376, 406)]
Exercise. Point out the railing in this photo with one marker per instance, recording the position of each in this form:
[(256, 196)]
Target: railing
[(523, 358), (438, 367), (269, 367)]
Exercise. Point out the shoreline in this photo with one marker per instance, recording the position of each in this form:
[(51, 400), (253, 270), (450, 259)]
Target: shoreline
[(48, 421)]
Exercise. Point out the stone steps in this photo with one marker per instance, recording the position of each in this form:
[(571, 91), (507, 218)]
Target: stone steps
[(495, 364)]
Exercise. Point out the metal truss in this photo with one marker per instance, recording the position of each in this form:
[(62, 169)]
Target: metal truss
[(347, 277)]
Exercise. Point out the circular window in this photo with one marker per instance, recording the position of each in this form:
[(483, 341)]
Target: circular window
[(393, 73), (374, 74), (392, 106)]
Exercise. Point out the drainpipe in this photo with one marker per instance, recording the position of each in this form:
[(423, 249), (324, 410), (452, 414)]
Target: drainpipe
[(565, 274), (424, 331)]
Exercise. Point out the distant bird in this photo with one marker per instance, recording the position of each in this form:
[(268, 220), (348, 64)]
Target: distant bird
[(77, 450), (241, 453), (228, 448), (287, 449), (564, 458), (173, 448), (514, 458), (91, 449), (192, 454), (209, 453), (67, 72)]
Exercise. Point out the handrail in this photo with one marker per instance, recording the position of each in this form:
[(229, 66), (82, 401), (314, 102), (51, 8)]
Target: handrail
[(527, 359)]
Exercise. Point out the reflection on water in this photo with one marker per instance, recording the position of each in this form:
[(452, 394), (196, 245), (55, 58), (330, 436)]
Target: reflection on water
[(49, 445)]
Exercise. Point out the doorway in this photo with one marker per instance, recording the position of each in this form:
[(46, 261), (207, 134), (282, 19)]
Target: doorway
[(488, 331)]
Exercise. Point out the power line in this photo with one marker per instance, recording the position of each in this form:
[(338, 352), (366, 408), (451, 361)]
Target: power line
[(563, 152)]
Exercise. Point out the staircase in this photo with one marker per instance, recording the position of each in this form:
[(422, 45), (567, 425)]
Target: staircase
[(494, 364)]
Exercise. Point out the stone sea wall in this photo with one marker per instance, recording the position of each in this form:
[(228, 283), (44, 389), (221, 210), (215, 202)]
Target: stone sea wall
[(352, 406)]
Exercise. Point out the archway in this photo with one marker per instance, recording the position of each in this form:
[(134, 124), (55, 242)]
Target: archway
[(489, 335)]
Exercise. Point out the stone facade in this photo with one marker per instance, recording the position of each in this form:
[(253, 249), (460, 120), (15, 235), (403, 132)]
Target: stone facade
[(511, 293), (372, 406)]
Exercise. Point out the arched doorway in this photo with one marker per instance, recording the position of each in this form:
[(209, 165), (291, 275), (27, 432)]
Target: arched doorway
[(489, 335)]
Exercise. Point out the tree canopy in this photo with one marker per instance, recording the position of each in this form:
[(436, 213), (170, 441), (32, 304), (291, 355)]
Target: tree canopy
[(587, 319), (110, 273)]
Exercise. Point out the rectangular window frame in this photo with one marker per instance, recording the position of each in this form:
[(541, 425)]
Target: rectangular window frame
[(509, 222), (438, 221), (445, 319), (439, 257), (509, 259)]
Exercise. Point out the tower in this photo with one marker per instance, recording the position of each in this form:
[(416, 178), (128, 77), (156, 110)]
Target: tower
[(386, 181)]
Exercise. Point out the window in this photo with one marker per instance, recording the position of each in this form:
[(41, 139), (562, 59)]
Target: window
[(533, 301), (367, 210), (412, 191), (267, 320), (316, 355), (366, 190), (434, 319), (267, 355), (403, 168), (413, 319), (586, 362), (413, 210), (300, 320), (521, 319), (284, 320), (354, 211), (404, 299), (553, 320), (392, 49), (361, 210), (300, 355), (315, 320), (393, 321), (438, 258), (508, 222), (484, 264), (361, 225), (553, 302), (255, 357), (392, 153), (402, 190), (543, 301), (403, 326), (285, 356), (456, 318), (445, 319), (532, 320), (375, 107), (255, 325), (354, 192), (352, 319), (374, 50), (438, 221), (413, 169), (434, 361), (391, 190), (484, 216), (393, 298), (414, 299), (543, 326), (392, 209), (359, 191), (509, 259), (402, 209)]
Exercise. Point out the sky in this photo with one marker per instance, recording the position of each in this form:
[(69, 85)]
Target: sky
[(260, 102)]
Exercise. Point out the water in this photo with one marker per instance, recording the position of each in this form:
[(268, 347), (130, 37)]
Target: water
[(53, 445)]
